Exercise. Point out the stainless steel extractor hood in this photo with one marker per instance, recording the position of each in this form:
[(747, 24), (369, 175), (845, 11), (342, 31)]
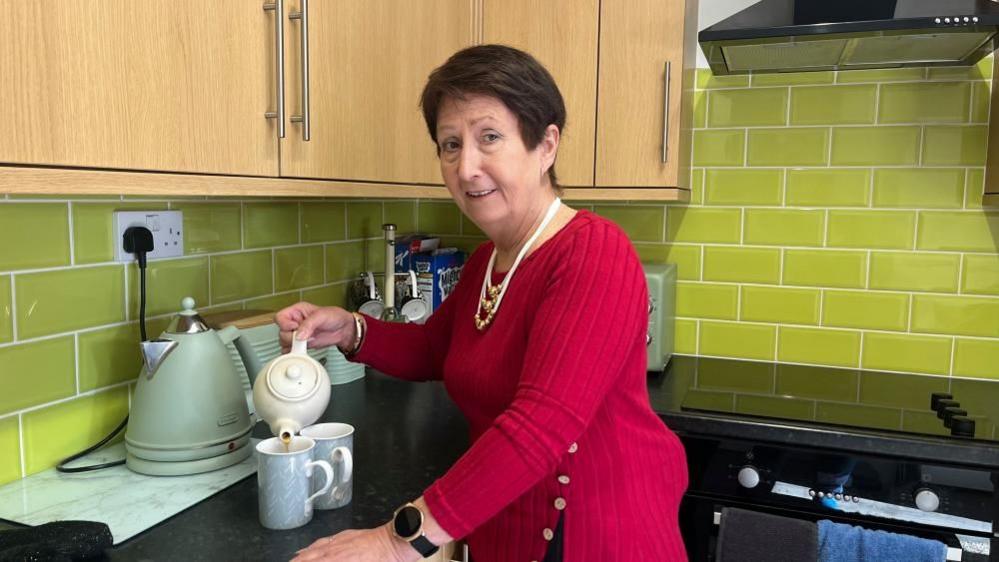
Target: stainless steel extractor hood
[(802, 35)]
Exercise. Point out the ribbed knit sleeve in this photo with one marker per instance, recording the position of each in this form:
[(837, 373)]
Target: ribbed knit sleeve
[(592, 312)]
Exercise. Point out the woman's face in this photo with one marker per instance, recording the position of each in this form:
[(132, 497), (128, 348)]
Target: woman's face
[(496, 181)]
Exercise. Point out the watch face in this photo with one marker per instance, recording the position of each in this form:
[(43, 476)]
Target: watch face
[(408, 522)]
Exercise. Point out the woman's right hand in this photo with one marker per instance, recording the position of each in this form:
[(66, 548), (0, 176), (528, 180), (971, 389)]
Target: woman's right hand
[(321, 326)]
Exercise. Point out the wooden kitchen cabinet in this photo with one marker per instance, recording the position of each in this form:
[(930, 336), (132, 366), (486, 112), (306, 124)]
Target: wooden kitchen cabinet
[(368, 63), (167, 85), (643, 127), (991, 195), (562, 35)]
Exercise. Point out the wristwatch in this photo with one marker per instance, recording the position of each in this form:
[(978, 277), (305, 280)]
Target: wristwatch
[(407, 524)]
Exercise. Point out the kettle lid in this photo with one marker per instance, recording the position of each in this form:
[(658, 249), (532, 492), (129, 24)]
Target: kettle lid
[(187, 321)]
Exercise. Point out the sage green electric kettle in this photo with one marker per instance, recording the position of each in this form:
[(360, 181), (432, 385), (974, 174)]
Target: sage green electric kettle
[(188, 412)]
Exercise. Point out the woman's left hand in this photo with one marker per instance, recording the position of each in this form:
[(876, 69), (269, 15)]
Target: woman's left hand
[(364, 545)]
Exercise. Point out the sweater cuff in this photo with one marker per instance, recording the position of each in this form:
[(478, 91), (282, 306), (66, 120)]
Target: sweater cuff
[(442, 512), (373, 334)]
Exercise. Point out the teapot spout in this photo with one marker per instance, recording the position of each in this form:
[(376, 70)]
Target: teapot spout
[(154, 352)]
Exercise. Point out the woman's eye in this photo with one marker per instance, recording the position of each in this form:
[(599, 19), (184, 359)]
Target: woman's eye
[(449, 146), (490, 137)]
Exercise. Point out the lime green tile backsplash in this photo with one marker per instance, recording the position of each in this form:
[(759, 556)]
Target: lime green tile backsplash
[(835, 219)]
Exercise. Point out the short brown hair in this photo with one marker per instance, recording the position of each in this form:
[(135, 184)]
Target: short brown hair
[(510, 75)]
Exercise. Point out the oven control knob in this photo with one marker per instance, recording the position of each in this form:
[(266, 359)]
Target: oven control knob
[(749, 477), (927, 500)]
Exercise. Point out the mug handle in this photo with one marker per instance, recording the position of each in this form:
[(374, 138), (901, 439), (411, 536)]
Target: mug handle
[(348, 468), (328, 470)]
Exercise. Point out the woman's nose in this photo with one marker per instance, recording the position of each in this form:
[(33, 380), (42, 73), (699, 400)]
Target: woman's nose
[(469, 162)]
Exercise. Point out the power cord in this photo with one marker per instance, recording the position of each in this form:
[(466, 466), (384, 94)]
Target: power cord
[(137, 240)]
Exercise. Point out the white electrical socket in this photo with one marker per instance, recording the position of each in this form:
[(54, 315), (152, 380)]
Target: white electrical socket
[(168, 236)]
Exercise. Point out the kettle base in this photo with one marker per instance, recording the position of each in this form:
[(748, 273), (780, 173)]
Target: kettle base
[(181, 468)]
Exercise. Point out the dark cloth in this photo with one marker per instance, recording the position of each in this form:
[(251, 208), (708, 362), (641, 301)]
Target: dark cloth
[(749, 536), (554, 553), (59, 540)]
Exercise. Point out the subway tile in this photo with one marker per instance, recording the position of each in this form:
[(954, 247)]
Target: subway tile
[(745, 341), (825, 268), (875, 146), (58, 301), (10, 450), (743, 376), (364, 220), (55, 432), (168, 282), (745, 265), (110, 356), (981, 275), (923, 422), (974, 187), (979, 71), (906, 353), (788, 147), (270, 224), (833, 105), (747, 107), (719, 148), (706, 80), (710, 400), (954, 145), (640, 223), (777, 304), (33, 235), (273, 303), (374, 251), (906, 271), (402, 214), (704, 300), (52, 373), (241, 276), (330, 295), (818, 346), (743, 187), (848, 187), (977, 396), (924, 102), (958, 231), (785, 227), (980, 102), (211, 227), (344, 261), (858, 415), (439, 218), (6, 310), (685, 336), (94, 237), (871, 229), (295, 268), (886, 75), (469, 228), (919, 188), (803, 381), (872, 310), (323, 222), (976, 358), (686, 258), (700, 109), (774, 407), (793, 78), (968, 316), (693, 224)]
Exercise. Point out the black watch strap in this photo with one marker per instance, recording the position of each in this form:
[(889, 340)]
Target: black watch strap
[(423, 545)]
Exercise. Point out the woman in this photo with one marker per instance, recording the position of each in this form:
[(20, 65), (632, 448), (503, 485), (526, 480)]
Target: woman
[(541, 345)]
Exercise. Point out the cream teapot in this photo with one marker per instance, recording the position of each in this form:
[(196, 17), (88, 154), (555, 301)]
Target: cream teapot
[(291, 391)]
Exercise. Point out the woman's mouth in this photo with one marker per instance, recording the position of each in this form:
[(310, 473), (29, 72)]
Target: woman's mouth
[(479, 194)]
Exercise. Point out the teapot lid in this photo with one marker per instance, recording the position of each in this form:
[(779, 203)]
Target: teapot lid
[(293, 377), (187, 321)]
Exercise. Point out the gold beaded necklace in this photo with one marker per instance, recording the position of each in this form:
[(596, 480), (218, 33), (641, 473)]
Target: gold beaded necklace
[(492, 295)]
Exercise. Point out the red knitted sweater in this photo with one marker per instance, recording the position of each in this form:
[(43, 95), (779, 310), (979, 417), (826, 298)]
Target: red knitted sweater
[(555, 394)]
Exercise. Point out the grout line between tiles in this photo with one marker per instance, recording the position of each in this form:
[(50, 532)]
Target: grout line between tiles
[(870, 189), (960, 274), (953, 352), (915, 230), (919, 153), (13, 310), (745, 153), (867, 270), (76, 362), (908, 325), (20, 443), (822, 303)]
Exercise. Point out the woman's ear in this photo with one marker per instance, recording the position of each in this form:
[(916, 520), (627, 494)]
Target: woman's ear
[(548, 147)]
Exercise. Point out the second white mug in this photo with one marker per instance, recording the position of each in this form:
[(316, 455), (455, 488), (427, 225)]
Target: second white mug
[(335, 445)]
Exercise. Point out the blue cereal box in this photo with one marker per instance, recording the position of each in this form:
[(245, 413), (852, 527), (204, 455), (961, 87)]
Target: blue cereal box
[(437, 273), (410, 245)]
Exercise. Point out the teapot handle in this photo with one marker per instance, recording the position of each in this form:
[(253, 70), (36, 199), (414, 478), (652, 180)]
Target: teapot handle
[(298, 346)]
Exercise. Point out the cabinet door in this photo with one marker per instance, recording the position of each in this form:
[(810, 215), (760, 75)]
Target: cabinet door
[(637, 40), (562, 35), (171, 85), (368, 62)]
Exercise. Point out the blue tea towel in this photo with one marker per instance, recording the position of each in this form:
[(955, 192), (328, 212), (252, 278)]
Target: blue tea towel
[(846, 543)]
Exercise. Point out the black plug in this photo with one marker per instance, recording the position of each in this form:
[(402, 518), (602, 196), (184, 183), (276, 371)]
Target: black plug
[(138, 240)]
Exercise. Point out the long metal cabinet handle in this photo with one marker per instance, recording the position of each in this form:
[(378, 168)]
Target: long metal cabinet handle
[(304, 117), (278, 8), (666, 113)]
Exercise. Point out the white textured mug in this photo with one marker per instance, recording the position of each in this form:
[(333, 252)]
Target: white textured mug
[(284, 482), (335, 445)]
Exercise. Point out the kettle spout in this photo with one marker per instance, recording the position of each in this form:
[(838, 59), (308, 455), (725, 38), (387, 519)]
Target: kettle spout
[(154, 352)]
